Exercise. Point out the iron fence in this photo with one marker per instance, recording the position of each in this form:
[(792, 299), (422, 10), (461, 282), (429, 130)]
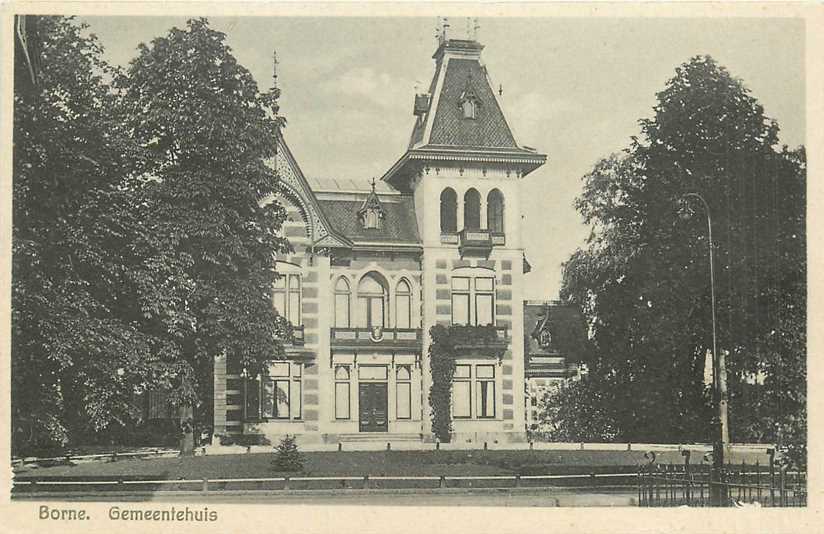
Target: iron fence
[(741, 484)]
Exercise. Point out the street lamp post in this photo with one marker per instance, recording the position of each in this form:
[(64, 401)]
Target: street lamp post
[(720, 425)]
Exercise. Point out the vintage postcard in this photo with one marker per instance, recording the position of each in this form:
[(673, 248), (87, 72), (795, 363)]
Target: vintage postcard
[(371, 267)]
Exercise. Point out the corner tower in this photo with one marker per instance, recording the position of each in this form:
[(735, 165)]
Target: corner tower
[(463, 166)]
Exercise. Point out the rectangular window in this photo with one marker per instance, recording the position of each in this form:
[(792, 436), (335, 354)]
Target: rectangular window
[(462, 371), (462, 392), (461, 399), (341, 400), (483, 310), (296, 399), (281, 399), (485, 390), (286, 297), (403, 306), (473, 301), (483, 284), (460, 308), (342, 311), (281, 391), (404, 401)]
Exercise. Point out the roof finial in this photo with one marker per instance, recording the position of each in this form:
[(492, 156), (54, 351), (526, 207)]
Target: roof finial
[(373, 184), (475, 28)]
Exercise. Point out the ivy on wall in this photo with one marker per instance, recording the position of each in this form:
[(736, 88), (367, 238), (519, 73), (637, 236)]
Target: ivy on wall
[(442, 369), (446, 341)]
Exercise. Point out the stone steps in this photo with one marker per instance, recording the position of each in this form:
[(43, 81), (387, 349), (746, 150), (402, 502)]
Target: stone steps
[(376, 437)]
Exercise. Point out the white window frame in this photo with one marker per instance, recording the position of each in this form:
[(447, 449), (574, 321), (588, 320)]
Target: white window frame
[(473, 293)]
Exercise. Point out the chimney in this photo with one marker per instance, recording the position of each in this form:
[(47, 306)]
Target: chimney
[(421, 104)]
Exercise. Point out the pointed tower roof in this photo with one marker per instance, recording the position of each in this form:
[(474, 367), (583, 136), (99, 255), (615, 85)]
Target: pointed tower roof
[(446, 128)]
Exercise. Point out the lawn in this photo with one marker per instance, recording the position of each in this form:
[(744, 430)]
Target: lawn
[(385, 463)]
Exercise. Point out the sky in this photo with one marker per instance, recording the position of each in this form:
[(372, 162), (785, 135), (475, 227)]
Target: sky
[(572, 88)]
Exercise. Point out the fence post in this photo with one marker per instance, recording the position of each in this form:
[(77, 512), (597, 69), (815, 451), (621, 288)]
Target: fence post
[(285, 483), (442, 481), (771, 453), (365, 481), (638, 482), (744, 479), (758, 480), (687, 479), (205, 487), (517, 480)]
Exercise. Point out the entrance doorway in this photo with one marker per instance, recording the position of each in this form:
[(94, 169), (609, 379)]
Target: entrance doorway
[(373, 409)]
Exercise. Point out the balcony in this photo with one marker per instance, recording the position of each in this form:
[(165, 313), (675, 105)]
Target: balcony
[(471, 338), (388, 338), (474, 242)]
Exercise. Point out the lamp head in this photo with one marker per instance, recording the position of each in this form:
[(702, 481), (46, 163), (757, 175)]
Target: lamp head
[(685, 209)]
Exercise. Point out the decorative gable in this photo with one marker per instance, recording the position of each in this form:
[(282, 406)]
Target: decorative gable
[(371, 212), (541, 333)]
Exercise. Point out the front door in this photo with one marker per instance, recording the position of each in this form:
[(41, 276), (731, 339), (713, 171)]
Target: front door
[(372, 400)]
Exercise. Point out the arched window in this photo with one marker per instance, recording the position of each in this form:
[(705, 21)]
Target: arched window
[(342, 295), (495, 211), (403, 305), (372, 297), (449, 211), (472, 210)]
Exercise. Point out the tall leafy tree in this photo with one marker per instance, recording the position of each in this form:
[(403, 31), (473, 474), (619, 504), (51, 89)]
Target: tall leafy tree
[(78, 351), (643, 281), (206, 133)]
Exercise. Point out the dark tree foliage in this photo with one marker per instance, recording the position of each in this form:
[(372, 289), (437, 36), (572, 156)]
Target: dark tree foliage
[(643, 278), (142, 242), (206, 132), (575, 412), (77, 346)]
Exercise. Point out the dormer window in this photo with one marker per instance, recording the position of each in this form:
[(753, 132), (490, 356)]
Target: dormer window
[(469, 102), (371, 212), (469, 107)]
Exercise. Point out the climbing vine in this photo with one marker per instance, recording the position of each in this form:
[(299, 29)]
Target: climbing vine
[(442, 369), (446, 341)]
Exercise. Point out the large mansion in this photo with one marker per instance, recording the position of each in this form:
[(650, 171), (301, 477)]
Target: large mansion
[(437, 240)]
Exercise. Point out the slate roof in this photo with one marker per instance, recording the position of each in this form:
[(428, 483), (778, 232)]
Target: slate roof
[(399, 223), (566, 325), (449, 127)]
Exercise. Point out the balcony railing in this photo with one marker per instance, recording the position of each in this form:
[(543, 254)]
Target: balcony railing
[(500, 341), (376, 337)]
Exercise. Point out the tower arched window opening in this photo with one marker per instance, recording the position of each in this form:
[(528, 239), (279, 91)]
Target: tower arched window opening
[(472, 210), (449, 211)]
